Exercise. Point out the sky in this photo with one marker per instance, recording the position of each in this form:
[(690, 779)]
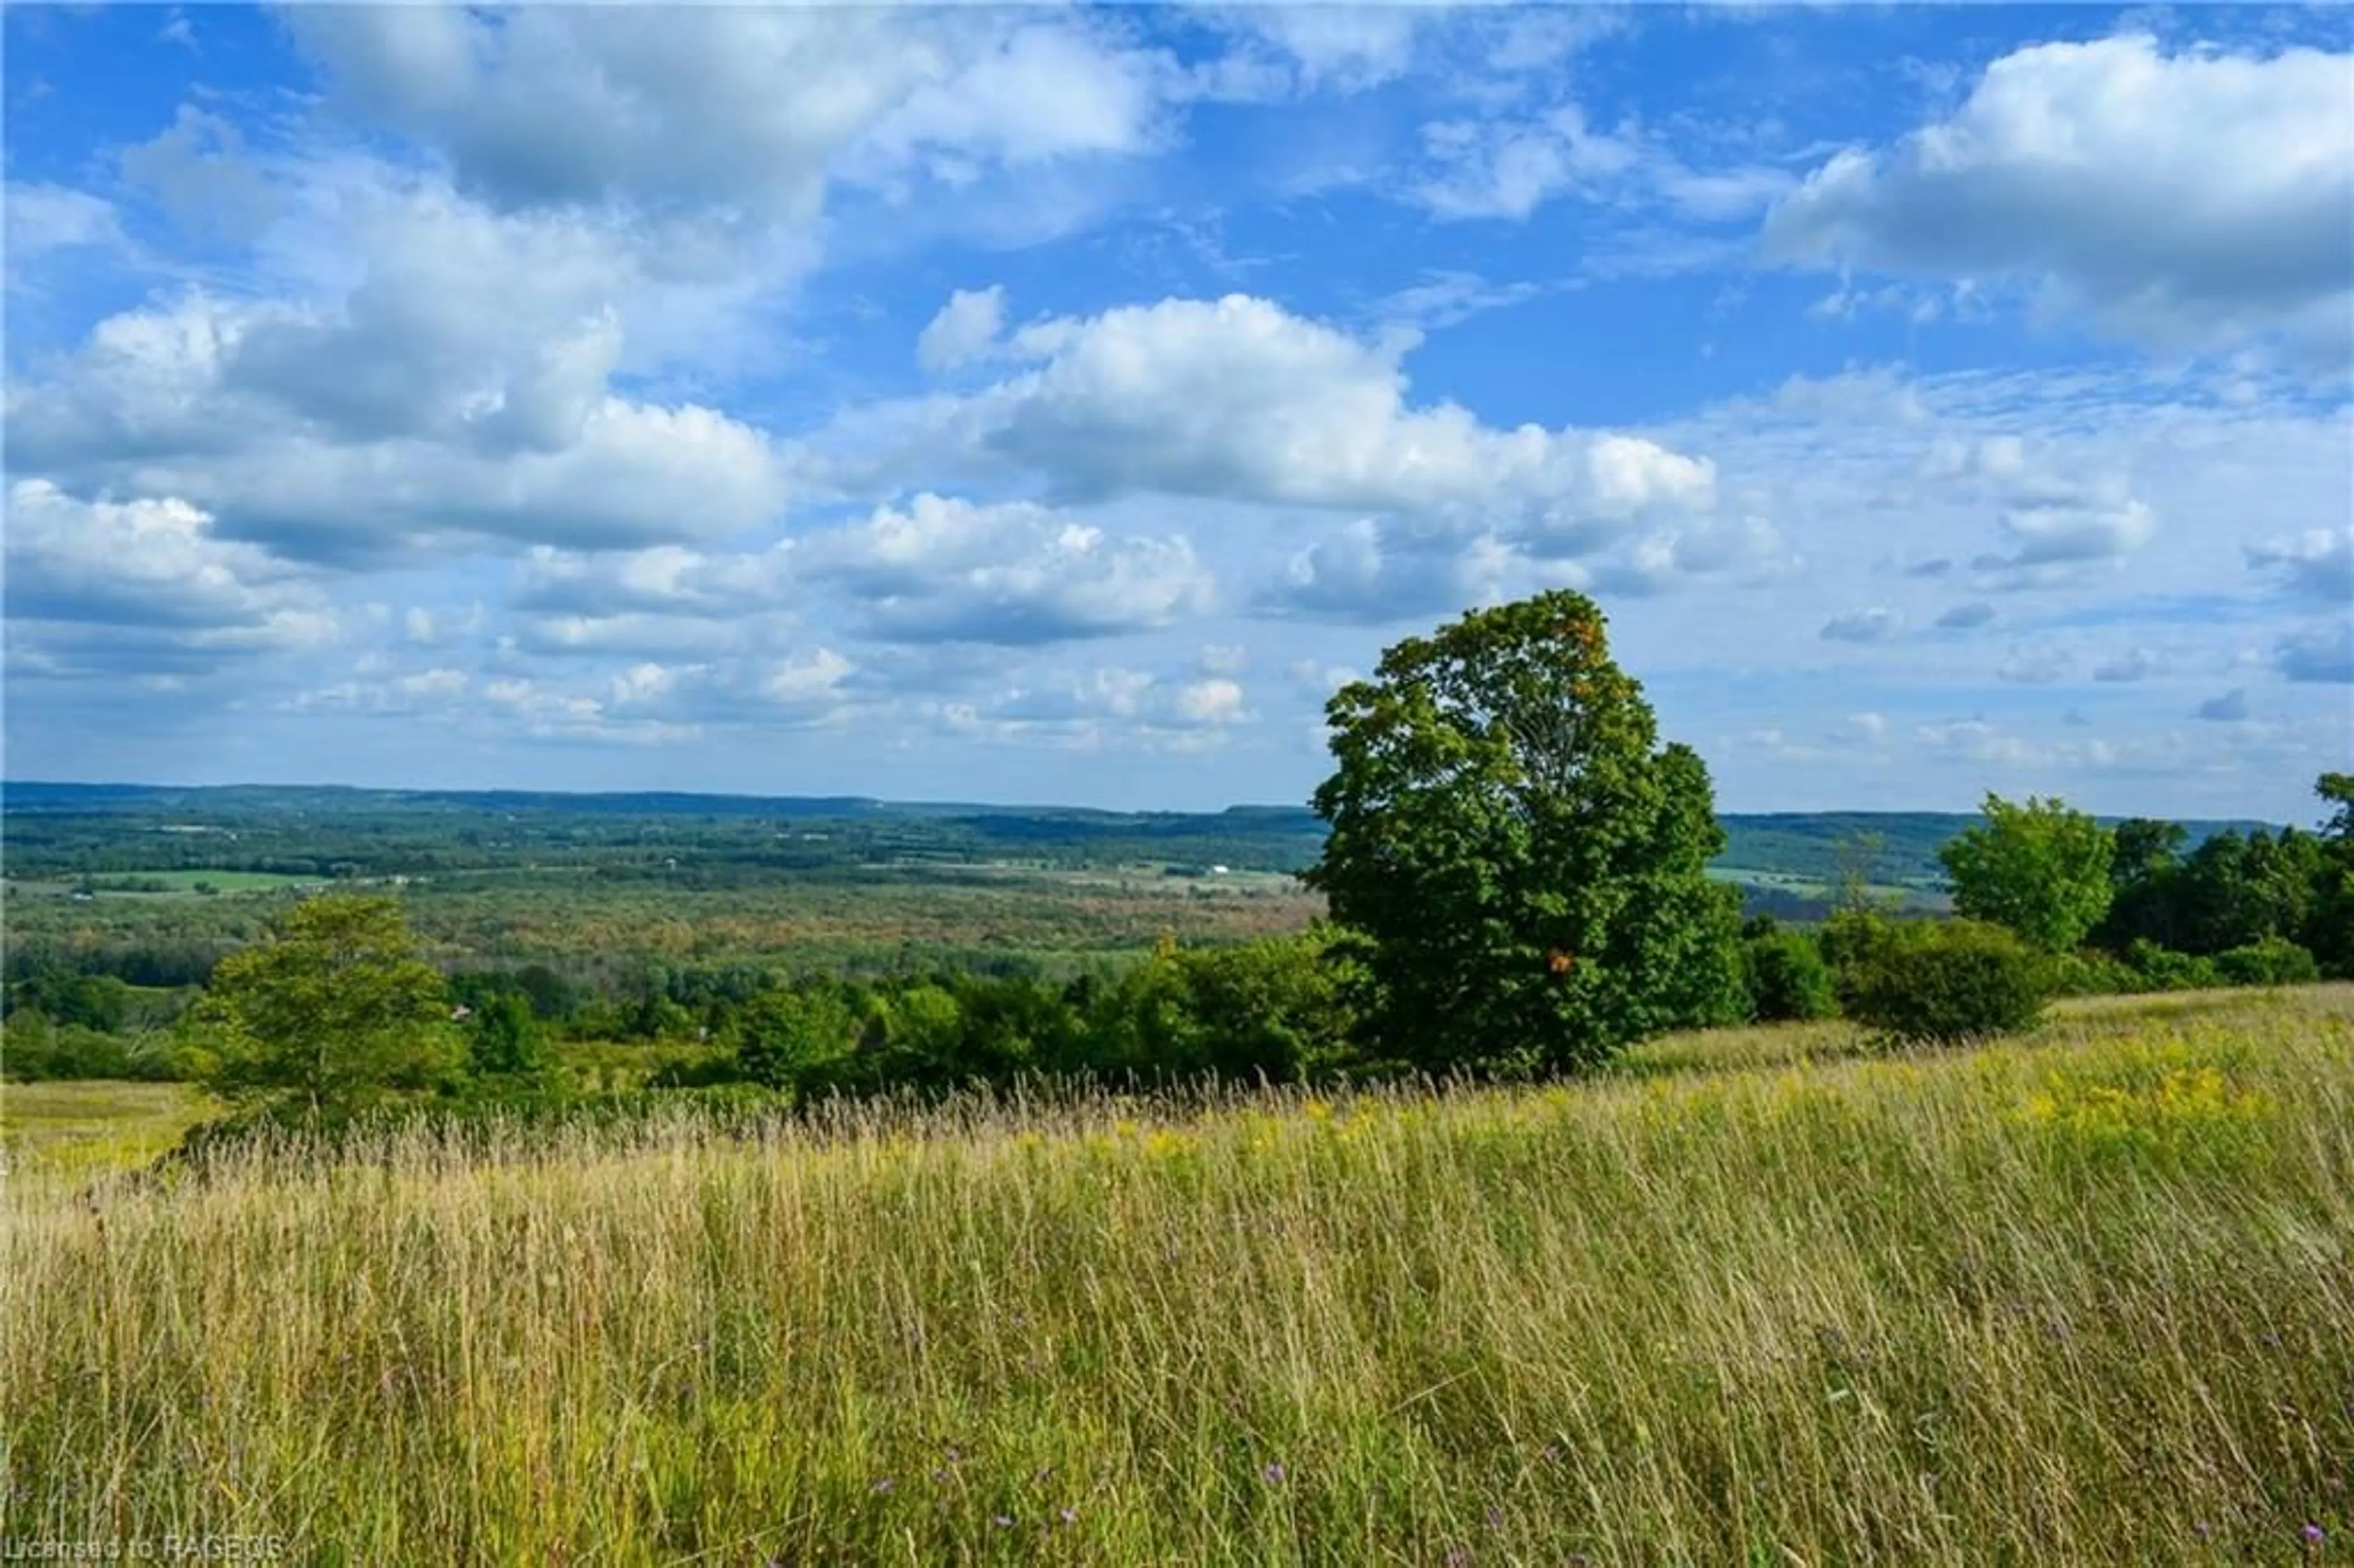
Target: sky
[(1056, 405)]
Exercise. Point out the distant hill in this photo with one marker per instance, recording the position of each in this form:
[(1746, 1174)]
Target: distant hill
[(1787, 861)]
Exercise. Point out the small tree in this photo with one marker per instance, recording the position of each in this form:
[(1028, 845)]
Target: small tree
[(330, 1011), (2039, 869), (1524, 859), (1787, 977), (506, 1039), (794, 1038)]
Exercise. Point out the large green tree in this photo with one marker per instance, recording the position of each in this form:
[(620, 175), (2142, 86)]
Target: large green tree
[(2038, 868), (330, 1011), (1523, 859), (2329, 924)]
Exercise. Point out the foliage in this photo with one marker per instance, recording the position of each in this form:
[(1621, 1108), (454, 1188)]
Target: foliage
[(34, 1048), (2275, 961), (2163, 969), (1785, 976), (335, 1008), (2039, 869), (2091, 972), (1961, 980), (504, 1037), (794, 1038), (1524, 859), (2329, 923)]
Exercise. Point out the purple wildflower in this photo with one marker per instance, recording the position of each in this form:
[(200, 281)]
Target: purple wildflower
[(1067, 1515), (1274, 1472), (2314, 1534)]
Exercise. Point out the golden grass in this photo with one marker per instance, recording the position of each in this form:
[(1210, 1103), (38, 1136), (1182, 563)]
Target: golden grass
[(2083, 1298)]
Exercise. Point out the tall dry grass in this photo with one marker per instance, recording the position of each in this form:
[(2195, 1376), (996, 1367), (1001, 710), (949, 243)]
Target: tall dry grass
[(1760, 1300)]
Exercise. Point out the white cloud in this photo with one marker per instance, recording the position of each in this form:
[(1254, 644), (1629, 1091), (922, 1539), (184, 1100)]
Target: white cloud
[(734, 112), (1239, 400), (46, 218), (1013, 573), (147, 563), (2191, 200), (1108, 707), (666, 579), (1505, 169), (1362, 572), (964, 330)]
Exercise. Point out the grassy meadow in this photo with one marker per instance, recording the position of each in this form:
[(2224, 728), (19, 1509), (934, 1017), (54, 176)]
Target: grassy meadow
[(1758, 1297)]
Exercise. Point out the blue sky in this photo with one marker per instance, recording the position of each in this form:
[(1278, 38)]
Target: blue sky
[(1054, 405)]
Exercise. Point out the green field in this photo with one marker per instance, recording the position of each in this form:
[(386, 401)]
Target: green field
[(81, 1127), (175, 884), (1758, 1297)]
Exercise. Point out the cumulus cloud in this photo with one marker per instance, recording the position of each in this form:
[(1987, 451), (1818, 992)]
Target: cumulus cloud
[(1967, 616), (1239, 400), (728, 112), (161, 401), (1108, 705), (151, 565), (1370, 573), (1015, 573), (2193, 199), (667, 579)]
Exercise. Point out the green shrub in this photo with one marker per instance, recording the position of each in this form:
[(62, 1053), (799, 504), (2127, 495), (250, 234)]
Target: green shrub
[(2163, 969), (1787, 977), (2275, 960), (2091, 972), (1961, 981)]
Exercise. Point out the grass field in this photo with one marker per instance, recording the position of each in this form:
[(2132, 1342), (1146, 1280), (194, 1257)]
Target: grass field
[(84, 1129), (1758, 1297)]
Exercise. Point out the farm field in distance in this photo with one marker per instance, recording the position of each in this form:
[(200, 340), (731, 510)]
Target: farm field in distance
[(1753, 1295), (609, 884)]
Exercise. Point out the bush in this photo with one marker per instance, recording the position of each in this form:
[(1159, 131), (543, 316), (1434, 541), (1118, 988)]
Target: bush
[(2092, 972), (2163, 969), (1959, 981), (1787, 977), (2275, 960)]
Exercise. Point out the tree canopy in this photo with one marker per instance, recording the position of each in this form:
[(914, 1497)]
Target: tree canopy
[(333, 1009), (1523, 859), (2040, 868)]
